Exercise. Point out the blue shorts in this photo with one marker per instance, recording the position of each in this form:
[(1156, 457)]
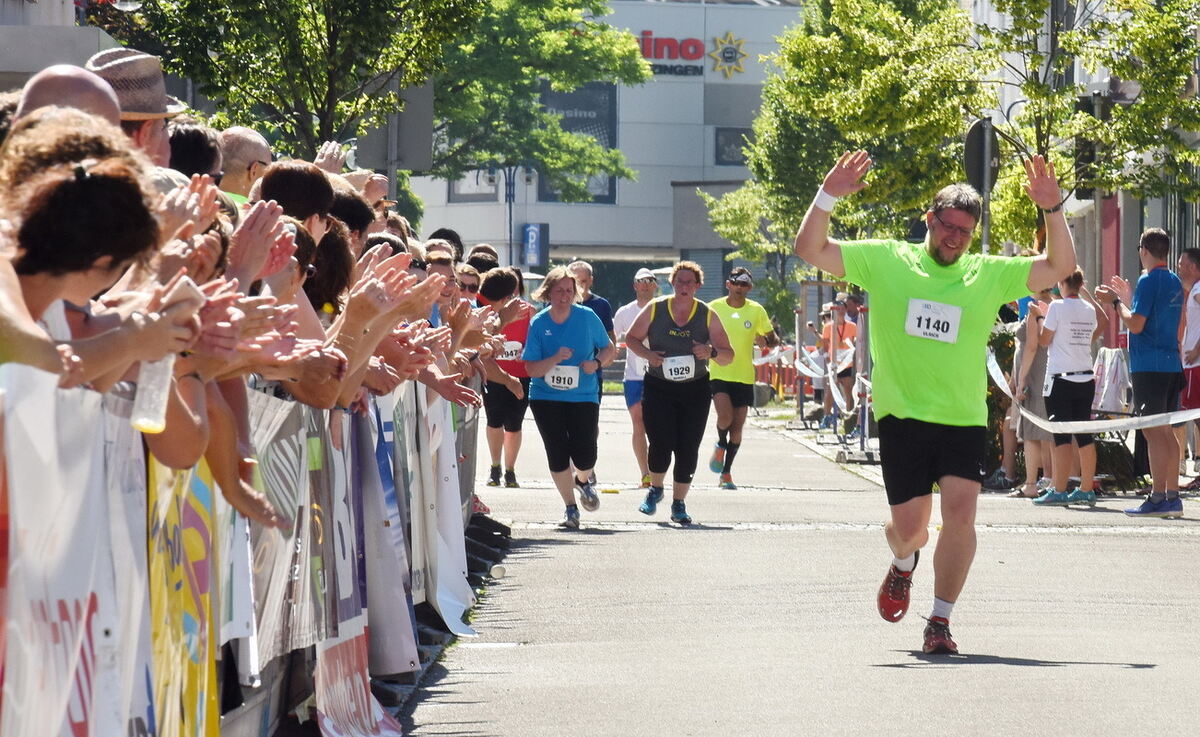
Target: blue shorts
[(633, 392)]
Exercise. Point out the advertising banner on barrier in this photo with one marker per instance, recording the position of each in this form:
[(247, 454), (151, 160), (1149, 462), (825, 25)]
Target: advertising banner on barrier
[(443, 523), (63, 653), (183, 636), (411, 473), (125, 473), (282, 587), (345, 705), (392, 646)]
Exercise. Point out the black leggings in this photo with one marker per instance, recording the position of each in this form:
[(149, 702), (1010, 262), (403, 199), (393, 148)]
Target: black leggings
[(675, 414), (568, 430)]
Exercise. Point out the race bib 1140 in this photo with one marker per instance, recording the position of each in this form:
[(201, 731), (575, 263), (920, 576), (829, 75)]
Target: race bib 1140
[(563, 378), (933, 320)]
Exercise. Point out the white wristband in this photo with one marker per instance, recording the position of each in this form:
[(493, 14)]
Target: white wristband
[(824, 200)]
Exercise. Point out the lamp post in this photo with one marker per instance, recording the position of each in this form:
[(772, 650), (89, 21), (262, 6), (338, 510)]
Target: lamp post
[(510, 172)]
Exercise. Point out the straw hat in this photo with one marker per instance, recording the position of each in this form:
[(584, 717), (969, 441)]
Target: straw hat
[(137, 79)]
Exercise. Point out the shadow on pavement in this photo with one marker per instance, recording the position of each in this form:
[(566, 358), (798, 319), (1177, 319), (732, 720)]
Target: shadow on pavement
[(429, 690), (927, 659)]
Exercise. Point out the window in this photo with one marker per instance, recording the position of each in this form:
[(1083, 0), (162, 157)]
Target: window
[(476, 186), (729, 145)]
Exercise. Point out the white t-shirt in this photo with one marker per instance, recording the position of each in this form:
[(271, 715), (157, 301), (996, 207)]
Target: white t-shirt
[(1073, 321), (635, 366), (1192, 333)]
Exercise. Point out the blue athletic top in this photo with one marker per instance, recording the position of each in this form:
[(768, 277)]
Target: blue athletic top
[(584, 334), (602, 308), (1159, 298)]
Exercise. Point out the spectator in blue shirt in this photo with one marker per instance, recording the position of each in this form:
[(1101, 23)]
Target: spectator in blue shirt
[(1151, 312)]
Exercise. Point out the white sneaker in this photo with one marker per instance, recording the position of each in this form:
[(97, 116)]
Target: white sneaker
[(588, 498)]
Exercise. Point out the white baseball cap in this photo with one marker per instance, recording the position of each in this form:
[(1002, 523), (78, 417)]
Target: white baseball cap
[(644, 273)]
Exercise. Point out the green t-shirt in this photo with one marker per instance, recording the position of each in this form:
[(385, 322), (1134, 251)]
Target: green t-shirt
[(930, 325), (741, 324)]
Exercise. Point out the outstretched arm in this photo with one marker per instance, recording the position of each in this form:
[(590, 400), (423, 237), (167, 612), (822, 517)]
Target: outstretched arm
[(1059, 259), (812, 239)]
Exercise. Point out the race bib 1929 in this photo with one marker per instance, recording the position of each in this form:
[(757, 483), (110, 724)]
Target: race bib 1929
[(933, 320), (563, 377), (679, 368)]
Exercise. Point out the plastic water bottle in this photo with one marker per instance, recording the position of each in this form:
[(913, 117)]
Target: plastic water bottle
[(154, 377), (153, 391)]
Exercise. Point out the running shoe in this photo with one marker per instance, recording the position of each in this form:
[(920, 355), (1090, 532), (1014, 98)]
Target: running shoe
[(727, 482), (679, 513), (645, 482), (1151, 508), (1172, 507), (494, 477), (999, 481), (1052, 498), (892, 600), (937, 637), (510, 479), (588, 498), (571, 520), (716, 463), (1079, 496), (653, 496)]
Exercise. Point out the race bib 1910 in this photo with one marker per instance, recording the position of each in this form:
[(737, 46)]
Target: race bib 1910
[(679, 368), (933, 320), (511, 352), (563, 377)]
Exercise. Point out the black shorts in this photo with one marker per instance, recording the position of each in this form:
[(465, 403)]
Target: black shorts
[(1155, 392), (846, 373), (1070, 401), (740, 395), (502, 407), (914, 454)]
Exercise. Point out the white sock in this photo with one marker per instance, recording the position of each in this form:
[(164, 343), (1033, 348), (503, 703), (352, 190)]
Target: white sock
[(905, 564), (942, 608)]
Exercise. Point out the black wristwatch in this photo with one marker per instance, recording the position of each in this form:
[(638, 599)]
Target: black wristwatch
[(1052, 210)]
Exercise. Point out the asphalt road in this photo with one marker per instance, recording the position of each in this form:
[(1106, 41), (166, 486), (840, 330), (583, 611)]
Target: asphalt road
[(760, 619)]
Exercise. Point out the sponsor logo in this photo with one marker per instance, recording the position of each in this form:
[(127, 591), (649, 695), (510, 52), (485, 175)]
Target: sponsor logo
[(727, 54)]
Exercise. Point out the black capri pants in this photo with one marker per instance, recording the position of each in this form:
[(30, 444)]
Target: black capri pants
[(502, 407), (675, 414), (568, 431), (1070, 401)]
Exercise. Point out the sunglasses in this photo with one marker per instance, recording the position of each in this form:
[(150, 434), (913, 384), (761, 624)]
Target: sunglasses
[(217, 178), (472, 288)]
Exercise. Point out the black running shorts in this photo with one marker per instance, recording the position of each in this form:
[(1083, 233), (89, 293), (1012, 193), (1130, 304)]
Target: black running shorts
[(914, 454), (740, 395)]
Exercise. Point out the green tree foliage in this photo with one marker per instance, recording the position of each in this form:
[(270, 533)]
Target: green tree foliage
[(313, 70), (487, 101), (1143, 125), (890, 77)]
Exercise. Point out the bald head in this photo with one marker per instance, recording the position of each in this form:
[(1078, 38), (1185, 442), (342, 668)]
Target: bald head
[(246, 155), (70, 86)]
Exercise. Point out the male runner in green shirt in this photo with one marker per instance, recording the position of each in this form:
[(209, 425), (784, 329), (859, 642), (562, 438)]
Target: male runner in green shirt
[(732, 386), (933, 307)]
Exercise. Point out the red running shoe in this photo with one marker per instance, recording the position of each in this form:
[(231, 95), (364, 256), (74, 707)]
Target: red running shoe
[(893, 592), (937, 637)]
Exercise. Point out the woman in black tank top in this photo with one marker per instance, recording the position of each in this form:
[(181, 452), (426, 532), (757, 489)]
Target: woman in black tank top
[(677, 336)]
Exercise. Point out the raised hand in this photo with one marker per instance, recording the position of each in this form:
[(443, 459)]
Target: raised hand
[(1042, 187), (252, 242), (513, 310), (330, 157), (845, 177)]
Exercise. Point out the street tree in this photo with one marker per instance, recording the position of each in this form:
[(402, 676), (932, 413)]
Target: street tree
[(487, 101), (311, 70)]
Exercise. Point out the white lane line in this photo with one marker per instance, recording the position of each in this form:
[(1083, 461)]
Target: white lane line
[(1165, 529)]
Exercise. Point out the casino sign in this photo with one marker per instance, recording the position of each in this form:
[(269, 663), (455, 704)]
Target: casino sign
[(671, 56)]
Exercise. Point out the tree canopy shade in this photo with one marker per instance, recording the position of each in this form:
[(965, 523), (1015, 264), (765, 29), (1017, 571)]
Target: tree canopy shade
[(487, 105), (314, 70), (904, 78)]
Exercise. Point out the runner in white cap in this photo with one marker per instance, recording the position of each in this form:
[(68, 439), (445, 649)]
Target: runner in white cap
[(645, 286)]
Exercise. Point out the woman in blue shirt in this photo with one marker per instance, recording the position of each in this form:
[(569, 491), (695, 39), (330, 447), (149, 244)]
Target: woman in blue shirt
[(565, 348)]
